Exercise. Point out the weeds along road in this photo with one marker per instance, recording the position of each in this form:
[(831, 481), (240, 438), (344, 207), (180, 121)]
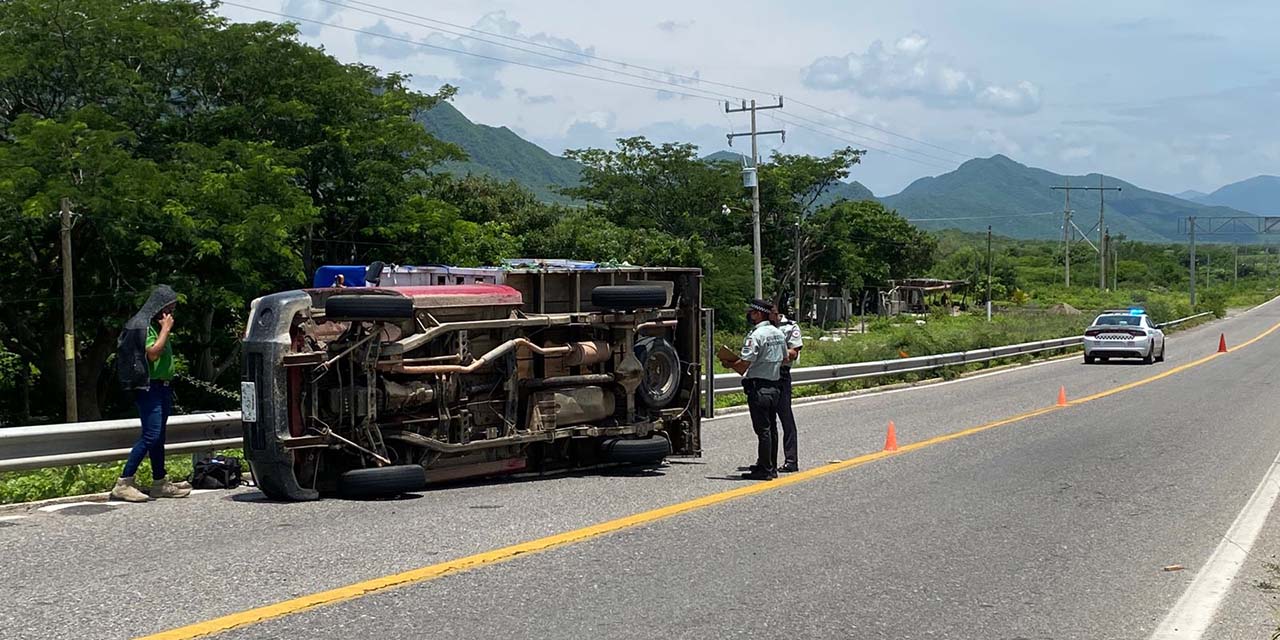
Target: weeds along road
[(1001, 516)]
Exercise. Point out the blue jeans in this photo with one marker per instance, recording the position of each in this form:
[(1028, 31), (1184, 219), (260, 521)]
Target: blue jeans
[(154, 406)]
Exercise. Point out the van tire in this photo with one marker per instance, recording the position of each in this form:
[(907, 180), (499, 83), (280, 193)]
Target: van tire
[(652, 450), (382, 482), (657, 352), (368, 307), (628, 297)]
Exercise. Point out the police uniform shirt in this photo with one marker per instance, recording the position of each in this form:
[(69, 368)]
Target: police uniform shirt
[(791, 330), (765, 348)]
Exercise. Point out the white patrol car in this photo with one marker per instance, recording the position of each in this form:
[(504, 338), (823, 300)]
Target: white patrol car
[(1124, 334)]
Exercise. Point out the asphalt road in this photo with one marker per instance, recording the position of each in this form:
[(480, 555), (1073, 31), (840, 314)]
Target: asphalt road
[(1054, 526)]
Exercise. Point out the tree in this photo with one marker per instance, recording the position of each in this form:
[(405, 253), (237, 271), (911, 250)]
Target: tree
[(792, 186), (224, 159), (862, 243), (666, 187)]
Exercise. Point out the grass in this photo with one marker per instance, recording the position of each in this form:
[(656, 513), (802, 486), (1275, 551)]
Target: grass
[(42, 484), (890, 338)]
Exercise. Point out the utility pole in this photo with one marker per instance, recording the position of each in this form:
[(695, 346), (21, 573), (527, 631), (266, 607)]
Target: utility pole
[(755, 181), (1115, 264), (1102, 254), (1191, 220), (1067, 236), (1235, 276), (1102, 258), (795, 310), (1106, 248), (988, 273), (68, 317), (1115, 260)]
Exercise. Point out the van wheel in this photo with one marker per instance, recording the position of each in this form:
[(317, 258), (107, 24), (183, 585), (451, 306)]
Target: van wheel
[(651, 450), (661, 380), (628, 297), (1088, 359), (382, 482), (368, 307)]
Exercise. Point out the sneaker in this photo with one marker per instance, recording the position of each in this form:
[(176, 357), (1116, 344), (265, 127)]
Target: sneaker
[(162, 488), (790, 467), (127, 491)]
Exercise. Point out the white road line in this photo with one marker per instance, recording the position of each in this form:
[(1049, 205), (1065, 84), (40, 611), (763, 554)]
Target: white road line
[(66, 505), (1194, 611), (9, 518)]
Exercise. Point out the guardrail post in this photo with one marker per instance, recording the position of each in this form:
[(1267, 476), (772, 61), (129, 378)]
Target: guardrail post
[(709, 330)]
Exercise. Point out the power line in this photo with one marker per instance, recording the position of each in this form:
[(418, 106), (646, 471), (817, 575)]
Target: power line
[(670, 74), (887, 144), (561, 49), (717, 94), (880, 129), (1013, 215), (842, 138), (471, 54)]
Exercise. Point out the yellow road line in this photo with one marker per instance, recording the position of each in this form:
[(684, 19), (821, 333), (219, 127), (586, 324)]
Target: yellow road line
[(423, 574)]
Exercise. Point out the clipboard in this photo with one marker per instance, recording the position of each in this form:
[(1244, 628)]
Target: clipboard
[(726, 354)]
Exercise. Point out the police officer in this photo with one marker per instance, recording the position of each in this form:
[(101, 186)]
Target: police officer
[(759, 362), (791, 330)]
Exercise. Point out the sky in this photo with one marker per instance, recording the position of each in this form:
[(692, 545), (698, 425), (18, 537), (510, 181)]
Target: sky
[(1170, 95)]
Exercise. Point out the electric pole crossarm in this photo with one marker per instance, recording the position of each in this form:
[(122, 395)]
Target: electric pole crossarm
[(753, 106), (775, 132)]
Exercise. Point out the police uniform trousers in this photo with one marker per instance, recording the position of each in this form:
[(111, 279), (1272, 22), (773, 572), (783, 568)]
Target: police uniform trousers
[(763, 398), (787, 418)]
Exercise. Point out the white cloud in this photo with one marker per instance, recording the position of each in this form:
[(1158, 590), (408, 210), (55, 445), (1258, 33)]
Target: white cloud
[(387, 43), (908, 69), (318, 11), (997, 140), (480, 61), (1072, 154), (674, 26), (529, 98)]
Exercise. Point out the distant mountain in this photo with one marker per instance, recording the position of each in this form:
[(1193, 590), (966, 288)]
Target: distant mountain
[(1003, 193), (843, 191), (1258, 195), (725, 156), (1191, 194), (499, 152)]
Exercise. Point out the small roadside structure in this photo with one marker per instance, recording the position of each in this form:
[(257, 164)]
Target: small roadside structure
[(919, 295)]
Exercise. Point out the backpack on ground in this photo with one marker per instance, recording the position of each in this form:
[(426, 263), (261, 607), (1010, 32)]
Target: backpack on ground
[(218, 472)]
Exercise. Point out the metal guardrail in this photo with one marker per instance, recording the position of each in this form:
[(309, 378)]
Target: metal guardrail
[(37, 447), (56, 445), (729, 382)]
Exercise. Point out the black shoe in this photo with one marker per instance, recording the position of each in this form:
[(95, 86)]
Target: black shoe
[(789, 468), (759, 474)]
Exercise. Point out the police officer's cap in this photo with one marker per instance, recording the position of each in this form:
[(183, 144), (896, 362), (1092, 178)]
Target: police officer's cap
[(762, 306)]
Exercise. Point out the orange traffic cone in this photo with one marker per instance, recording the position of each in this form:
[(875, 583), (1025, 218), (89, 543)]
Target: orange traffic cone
[(891, 439), (1062, 396), (1222, 343)]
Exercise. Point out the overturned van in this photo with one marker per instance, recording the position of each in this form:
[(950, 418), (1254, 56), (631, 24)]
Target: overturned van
[(404, 376)]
